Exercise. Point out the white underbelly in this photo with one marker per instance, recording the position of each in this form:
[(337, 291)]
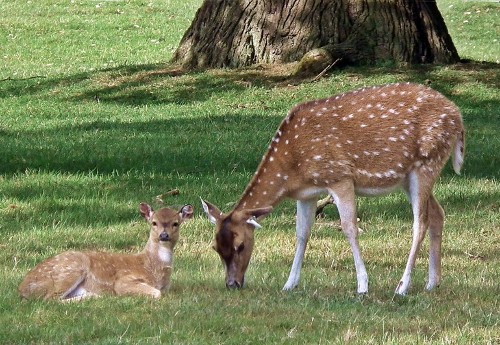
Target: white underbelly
[(365, 191), (309, 193)]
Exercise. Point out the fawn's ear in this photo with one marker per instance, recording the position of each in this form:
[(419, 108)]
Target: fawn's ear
[(186, 212), (145, 210), (213, 213)]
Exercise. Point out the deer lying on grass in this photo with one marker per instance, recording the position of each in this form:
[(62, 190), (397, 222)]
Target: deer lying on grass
[(73, 276), (367, 142)]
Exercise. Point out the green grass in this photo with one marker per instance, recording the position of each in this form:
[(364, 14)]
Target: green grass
[(93, 120)]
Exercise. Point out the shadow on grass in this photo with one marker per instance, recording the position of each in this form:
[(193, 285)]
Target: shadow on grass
[(184, 146), (163, 83), (218, 143)]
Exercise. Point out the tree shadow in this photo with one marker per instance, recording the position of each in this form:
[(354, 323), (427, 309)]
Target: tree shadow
[(215, 144), (108, 146), (163, 146)]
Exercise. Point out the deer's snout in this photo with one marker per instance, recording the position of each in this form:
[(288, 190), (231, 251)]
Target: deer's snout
[(234, 284), (164, 237)]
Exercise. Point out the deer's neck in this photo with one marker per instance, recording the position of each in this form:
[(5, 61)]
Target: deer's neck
[(158, 254), (274, 179), (158, 262)]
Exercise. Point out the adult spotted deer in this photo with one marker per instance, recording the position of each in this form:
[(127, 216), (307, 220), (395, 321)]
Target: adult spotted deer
[(73, 276), (367, 142)]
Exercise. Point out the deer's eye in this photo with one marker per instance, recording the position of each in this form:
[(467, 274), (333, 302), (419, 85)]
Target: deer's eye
[(153, 223), (240, 247), (175, 224)]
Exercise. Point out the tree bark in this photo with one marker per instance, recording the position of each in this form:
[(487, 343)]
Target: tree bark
[(238, 33)]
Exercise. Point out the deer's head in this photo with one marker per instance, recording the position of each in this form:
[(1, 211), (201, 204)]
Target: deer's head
[(165, 223), (234, 239)]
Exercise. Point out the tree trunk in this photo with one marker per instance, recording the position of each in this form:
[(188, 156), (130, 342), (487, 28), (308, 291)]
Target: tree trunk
[(237, 33)]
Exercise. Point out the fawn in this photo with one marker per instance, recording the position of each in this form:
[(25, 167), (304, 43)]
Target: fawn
[(73, 276), (366, 142)]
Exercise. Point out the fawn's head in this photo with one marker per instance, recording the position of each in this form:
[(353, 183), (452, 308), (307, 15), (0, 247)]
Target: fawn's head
[(234, 239), (165, 223)]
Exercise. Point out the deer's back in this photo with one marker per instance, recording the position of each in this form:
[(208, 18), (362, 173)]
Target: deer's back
[(374, 133)]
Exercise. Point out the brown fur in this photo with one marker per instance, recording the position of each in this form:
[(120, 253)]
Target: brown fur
[(76, 275), (367, 142)]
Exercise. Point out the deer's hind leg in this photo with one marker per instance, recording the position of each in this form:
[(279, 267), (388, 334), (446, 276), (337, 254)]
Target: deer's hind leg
[(436, 222), (419, 191), (56, 277), (78, 291)]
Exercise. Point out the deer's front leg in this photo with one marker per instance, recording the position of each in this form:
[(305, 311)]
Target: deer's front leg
[(346, 205), (131, 285), (305, 219)]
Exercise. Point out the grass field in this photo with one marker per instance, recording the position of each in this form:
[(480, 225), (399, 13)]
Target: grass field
[(93, 120)]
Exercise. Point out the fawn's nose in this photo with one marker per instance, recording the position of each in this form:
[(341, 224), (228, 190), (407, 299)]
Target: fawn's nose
[(164, 237)]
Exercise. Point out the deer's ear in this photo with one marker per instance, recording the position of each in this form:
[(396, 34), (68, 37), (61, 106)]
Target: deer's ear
[(186, 212), (253, 222), (258, 212), (253, 214), (213, 213), (145, 210)]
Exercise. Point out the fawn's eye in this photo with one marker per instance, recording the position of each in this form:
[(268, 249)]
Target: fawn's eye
[(175, 224), (153, 223)]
